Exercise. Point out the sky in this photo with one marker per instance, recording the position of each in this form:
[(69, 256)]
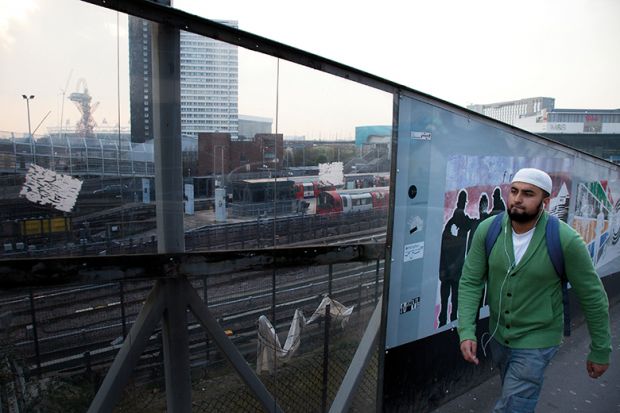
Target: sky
[(475, 51)]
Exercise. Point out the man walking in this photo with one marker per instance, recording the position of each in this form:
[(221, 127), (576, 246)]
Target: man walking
[(525, 295)]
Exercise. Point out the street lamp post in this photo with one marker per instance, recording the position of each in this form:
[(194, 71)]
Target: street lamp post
[(28, 99)]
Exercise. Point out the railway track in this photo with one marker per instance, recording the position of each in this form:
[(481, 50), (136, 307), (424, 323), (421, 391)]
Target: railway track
[(79, 328)]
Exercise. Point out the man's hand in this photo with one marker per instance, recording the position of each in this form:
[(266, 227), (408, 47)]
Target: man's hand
[(594, 370), (469, 348)]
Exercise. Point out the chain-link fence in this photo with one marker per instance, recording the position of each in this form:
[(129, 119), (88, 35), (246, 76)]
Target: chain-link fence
[(57, 344)]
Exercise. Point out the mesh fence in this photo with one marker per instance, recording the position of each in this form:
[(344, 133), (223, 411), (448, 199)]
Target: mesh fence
[(57, 344)]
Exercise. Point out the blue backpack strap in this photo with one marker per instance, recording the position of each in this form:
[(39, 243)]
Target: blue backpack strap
[(494, 229), (554, 247)]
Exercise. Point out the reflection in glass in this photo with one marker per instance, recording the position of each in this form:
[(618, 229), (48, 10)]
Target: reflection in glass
[(254, 132)]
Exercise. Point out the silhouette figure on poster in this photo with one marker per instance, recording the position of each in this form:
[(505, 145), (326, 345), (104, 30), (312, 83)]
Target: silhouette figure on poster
[(453, 248), (483, 213), (499, 205), (455, 243)]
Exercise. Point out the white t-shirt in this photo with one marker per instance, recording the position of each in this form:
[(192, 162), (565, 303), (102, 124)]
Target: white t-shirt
[(520, 243)]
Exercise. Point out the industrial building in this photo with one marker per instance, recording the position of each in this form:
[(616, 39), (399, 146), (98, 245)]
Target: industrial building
[(596, 131)]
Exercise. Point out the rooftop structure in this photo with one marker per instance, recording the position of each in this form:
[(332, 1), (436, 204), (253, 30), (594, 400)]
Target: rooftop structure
[(510, 111), (596, 131)]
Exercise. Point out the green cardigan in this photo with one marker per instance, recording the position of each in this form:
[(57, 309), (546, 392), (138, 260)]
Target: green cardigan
[(526, 301)]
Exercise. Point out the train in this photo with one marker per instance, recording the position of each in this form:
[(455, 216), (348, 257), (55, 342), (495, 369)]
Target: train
[(366, 180), (352, 200), (310, 186), (306, 190)]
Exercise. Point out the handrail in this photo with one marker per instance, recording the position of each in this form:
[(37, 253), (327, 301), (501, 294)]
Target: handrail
[(39, 272)]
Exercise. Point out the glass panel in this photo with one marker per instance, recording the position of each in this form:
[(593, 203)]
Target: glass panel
[(69, 101), (275, 174), (255, 131)]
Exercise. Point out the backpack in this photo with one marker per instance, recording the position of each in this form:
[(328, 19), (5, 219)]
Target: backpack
[(552, 236)]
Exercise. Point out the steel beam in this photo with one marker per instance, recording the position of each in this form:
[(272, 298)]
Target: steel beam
[(176, 347), (229, 350), (150, 10), (110, 391), (356, 369), (40, 272), (166, 48)]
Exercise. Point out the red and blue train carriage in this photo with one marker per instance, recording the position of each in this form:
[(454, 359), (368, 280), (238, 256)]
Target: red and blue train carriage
[(352, 200)]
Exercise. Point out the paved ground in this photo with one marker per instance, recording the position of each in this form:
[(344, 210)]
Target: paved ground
[(567, 387)]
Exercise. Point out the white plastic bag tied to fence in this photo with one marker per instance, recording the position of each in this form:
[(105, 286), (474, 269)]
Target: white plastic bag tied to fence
[(337, 311), (269, 348)]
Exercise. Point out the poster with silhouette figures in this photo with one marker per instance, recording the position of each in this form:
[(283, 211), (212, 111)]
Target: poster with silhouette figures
[(477, 188), (453, 170)]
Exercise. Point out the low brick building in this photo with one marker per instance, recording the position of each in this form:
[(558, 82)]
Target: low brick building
[(218, 154)]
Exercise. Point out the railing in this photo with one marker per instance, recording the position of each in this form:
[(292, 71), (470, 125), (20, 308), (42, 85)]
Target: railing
[(147, 320), (71, 334)]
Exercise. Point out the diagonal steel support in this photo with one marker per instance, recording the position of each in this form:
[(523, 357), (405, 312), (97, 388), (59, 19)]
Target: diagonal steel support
[(362, 356), (118, 375), (235, 358), (168, 301)]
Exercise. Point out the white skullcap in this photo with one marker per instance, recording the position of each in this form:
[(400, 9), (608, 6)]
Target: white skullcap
[(535, 177)]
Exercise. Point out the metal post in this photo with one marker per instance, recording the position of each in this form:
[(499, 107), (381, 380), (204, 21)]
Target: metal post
[(176, 348), (330, 280), (119, 372), (205, 300), (228, 349), (52, 155), (222, 165), (167, 143), (358, 365), (325, 386), (377, 282), (273, 295), (35, 335), (169, 207), (32, 145), (88, 365), (314, 227), (275, 326), (28, 98), (359, 293), (275, 156), (122, 304)]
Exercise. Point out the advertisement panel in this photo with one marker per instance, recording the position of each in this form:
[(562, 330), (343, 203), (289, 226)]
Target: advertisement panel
[(453, 171)]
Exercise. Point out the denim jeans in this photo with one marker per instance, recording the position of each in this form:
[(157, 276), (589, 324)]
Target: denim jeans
[(522, 373)]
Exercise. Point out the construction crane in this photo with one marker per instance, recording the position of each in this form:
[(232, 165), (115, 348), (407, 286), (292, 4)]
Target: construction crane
[(82, 99)]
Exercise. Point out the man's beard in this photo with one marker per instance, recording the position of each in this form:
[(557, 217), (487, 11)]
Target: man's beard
[(522, 216)]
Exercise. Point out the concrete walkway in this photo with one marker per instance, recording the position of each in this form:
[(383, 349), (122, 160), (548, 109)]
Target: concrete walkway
[(567, 387)]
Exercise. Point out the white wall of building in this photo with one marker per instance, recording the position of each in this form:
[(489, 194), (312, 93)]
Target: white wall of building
[(209, 85)]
